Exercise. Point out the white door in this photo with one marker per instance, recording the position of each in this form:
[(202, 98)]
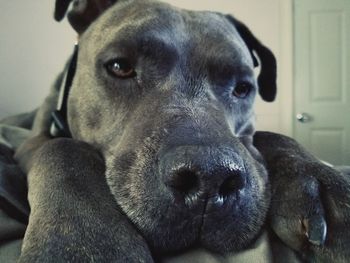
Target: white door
[(322, 78)]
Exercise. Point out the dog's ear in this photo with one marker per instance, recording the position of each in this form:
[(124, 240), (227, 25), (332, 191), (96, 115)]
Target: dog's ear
[(268, 72), (81, 12)]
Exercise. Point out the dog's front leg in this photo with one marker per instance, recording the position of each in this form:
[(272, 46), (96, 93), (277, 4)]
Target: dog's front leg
[(310, 208), (74, 218)]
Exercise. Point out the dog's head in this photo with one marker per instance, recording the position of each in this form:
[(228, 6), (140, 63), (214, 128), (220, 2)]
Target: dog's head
[(166, 95)]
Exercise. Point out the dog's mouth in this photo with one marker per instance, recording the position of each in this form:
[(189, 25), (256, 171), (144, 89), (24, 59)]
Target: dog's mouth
[(222, 215), (220, 226), (226, 224)]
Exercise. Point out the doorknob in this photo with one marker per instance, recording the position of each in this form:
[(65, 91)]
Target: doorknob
[(303, 117)]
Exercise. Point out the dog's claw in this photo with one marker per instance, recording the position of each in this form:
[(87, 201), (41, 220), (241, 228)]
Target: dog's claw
[(316, 230)]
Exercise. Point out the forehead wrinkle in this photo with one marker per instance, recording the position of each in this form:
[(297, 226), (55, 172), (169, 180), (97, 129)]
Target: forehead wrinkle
[(140, 28), (218, 36)]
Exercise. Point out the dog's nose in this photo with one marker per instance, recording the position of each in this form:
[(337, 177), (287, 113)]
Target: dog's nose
[(221, 183), (197, 173)]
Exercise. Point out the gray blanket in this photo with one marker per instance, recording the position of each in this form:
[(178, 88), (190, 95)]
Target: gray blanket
[(14, 208)]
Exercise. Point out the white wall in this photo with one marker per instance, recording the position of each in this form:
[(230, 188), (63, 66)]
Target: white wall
[(33, 49)]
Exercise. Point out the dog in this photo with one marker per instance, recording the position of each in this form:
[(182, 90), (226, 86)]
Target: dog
[(163, 157)]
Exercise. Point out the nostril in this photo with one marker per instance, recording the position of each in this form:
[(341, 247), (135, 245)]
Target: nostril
[(185, 181), (231, 185)]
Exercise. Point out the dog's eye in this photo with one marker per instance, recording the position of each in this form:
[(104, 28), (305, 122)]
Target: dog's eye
[(242, 90), (120, 68)]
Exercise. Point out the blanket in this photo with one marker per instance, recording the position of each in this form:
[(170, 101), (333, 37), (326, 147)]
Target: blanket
[(14, 208)]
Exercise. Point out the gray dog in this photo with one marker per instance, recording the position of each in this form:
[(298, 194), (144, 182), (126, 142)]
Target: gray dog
[(163, 157)]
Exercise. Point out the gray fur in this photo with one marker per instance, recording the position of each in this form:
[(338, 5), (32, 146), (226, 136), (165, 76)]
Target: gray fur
[(129, 130)]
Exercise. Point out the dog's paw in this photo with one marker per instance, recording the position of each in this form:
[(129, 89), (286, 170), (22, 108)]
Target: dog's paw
[(310, 210), (310, 205), (297, 214), (74, 217)]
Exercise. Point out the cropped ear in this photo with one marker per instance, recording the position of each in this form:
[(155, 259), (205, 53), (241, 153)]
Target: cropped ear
[(268, 72), (81, 12)]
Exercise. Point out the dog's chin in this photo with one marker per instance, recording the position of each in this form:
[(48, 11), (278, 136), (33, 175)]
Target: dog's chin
[(220, 239), (225, 236), (216, 231)]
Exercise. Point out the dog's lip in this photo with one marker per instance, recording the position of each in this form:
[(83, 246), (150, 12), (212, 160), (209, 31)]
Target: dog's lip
[(203, 200), (216, 204)]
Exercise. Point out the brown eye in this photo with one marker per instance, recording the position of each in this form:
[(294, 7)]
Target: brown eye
[(242, 90), (120, 68)]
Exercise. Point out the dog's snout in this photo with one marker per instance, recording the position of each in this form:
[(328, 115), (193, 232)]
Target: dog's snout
[(200, 173)]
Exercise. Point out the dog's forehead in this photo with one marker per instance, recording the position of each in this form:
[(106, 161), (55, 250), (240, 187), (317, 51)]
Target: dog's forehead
[(132, 20)]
